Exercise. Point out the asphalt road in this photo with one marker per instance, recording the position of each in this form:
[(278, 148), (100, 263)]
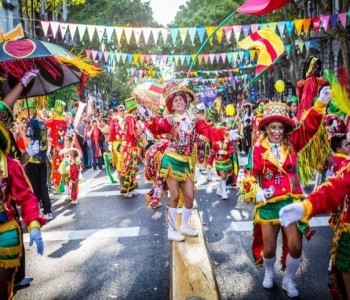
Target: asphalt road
[(111, 247)]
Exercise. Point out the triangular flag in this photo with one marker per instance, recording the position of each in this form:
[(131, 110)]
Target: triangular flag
[(228, 32), (142, 58), (254, 27), (342, 18), (307, 46), (130, 57), (223, 57), (192, 33), (201, 32), (301, 46), (148, 58), (288, 49), (334, 20), (100, 55), (200, 58), (220, 34), (63, 29), (316, 23), (45, 25), (325, 21), (281, 26), (146, 34), (217, 58), (246, 30), (124, 57), (109, 33), (91, 30), (106, 55), (54, 28), (128, 32), (289, 27), (193, 56), (114, 57), (72, 29), (119, 33), (165, 33), (206, 58), (100, 32), (88, 53), (229, 57), (183, 33), (298, 26), (137, 34), (272, 26), (176, 57), (209, 30), (306, 25), (182, 59), (237, 31), (234, 56), (262, 25), (155, 33), (188, 59), (94, 53), (154, 58), (173, 32), (211, 58), (118, 56)]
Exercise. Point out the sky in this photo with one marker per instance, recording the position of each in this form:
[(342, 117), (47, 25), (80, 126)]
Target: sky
[(164, 11)]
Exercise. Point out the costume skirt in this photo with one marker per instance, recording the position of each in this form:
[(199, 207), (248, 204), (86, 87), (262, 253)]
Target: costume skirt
[(10, 244), (177, 166)]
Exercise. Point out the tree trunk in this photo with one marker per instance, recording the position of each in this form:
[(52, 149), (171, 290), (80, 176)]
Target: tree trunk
[(344, 46)]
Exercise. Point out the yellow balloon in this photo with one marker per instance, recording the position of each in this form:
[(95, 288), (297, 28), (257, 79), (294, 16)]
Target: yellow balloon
[(280, 86), (230, 110)]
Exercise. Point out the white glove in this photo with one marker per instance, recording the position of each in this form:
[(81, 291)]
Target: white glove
[(234, 136), (110, 148), (29, 76), (291, 213), (260, 196), (33, 148), (325, 94)]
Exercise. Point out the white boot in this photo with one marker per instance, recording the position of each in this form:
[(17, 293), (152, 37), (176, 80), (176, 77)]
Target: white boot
[(185, 229), (269, 264), (209, 175), (173, 234), (288, 284), (223, 190), (219, 191)]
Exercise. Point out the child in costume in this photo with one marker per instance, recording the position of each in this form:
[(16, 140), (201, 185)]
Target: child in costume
[(273, 182), (74, 169)]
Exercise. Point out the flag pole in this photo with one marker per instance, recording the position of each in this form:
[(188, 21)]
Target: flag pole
[(207, 40)]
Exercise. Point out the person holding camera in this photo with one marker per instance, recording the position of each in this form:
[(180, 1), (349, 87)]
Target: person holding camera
[(272, 182)]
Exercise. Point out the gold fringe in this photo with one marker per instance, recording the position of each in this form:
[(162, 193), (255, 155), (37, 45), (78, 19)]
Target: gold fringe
[(313, 156), (81, 63), (248, 189)]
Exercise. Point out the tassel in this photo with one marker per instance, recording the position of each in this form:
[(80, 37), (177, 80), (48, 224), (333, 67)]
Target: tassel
[(313, 156)]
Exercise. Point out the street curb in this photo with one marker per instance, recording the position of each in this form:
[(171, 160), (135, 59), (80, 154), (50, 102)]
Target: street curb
[(192, 276)]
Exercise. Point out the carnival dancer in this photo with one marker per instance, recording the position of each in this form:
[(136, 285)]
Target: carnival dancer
[(116, 137), (310, 85), (273, 182), (222, 152), (177, 161), (14, 185), (327, 197), (74, 169), (57, 125), (129, 150)]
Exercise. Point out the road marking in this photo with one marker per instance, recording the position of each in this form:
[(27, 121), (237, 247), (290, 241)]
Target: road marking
[(85, 234)]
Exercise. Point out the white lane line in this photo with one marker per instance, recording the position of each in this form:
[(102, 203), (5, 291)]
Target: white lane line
[(84, 234)]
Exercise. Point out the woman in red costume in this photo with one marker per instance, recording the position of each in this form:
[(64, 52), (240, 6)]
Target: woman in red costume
[(273, 183), (178, 159)]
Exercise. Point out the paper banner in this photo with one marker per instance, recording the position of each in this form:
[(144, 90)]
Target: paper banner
[(106, 55), (119, 32), (254, 27), (201, 32), (91, 30), (63, 29), (209, 30), (281, 25), (124, 57), (289, 27), (200, 58), (228, 32), (342, 18), (183, 33), (165, 33), (272, 26), (54, 27), (307, 46), (325, 21), (306, 25), (128, 32), (173, 33), (155, 33), (88, 53), (146, 34), (223, 57), (334, 20), (72, 29), (100, 32), (246, 30), (237, 31), (298, 26), (192, 34), (301, 46), (94, 54), (137, 34), (45, 25), (109, 33), (316, 23), (182, 59), (219, 34)]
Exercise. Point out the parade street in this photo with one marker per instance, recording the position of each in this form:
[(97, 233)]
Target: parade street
[(112, 247)]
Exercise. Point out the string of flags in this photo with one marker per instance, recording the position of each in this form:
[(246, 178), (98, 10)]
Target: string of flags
[(176, 34), (115, 57)]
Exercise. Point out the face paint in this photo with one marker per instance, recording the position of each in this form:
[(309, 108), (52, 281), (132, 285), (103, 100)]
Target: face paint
[(275, 132)]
